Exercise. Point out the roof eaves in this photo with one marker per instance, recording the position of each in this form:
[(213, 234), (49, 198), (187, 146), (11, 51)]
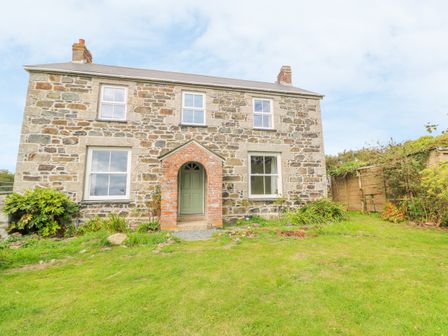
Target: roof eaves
[(94, 73)]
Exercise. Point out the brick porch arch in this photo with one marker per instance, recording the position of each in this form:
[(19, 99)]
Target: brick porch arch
[(172, 161)]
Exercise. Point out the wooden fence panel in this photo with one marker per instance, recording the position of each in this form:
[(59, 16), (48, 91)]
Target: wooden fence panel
[(362, 190)]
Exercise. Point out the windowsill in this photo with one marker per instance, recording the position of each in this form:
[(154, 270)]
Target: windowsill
[(112, 120), (264, 129), (106, 201), (193, 125), (267, 198)]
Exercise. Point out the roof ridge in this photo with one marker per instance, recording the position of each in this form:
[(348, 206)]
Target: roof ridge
[(188, 73)]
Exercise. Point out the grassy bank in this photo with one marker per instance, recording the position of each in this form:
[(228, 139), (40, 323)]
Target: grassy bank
[(358, 277)]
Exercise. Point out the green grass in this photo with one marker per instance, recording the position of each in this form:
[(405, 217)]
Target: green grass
[(359, 277)]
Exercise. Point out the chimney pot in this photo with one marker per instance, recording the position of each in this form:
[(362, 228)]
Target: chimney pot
[(284, 77), (80, 53)]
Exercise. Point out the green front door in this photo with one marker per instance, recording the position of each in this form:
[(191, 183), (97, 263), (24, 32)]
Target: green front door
[(192, 189)]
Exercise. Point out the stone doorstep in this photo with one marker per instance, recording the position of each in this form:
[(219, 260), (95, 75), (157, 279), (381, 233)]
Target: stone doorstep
[(194, 235), (191, 218), (198, 225)]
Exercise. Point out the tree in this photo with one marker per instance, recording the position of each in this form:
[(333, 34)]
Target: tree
[(6, 176)]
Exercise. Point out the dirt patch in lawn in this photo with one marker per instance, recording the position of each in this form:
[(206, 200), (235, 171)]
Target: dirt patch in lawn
[(300, 234), (40, 266)]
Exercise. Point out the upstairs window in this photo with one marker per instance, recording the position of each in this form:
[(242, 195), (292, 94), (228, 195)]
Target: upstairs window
[(263, 113), (113, 102), (193, 108), (108, 173), (264, 175)]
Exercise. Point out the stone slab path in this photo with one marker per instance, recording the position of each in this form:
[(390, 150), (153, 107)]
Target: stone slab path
[(194, 234)]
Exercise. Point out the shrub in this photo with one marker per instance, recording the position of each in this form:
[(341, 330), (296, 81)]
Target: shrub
[(429, 201), (414, 208), (323, 211), (434, 184), (111, 223), (94, 224), (6, 176), (44, 211), (393, 214), (116, 223), (150, 226)]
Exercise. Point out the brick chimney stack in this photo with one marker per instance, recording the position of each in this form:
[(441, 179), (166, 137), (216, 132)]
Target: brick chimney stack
[(80, 53), (284, 77)]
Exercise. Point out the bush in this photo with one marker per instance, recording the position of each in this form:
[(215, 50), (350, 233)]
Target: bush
[(393, 214), (111, 223), (116, 223), (429, 201), (434, 184), (94, 224), (150, 226), (6, 176), (414, 208), (323, 211), (44, 211)]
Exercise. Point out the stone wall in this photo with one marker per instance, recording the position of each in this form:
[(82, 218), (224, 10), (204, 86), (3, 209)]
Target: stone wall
[(60, 121), (437, 155), (3, 218)]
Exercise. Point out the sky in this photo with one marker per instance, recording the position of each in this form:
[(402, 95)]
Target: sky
[(382, 65)]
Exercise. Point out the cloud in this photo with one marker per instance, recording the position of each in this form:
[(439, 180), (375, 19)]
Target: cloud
[(382, 65)]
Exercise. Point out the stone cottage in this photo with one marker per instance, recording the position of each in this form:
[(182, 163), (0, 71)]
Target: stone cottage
[(216, 148)]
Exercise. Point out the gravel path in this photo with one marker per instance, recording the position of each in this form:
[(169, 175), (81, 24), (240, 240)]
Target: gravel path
[(194, 235)]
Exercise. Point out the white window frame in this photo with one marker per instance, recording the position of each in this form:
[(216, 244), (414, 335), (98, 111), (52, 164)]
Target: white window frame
[(271, 113), (125, 103), (89, 172), (279, 175), (193, 108)]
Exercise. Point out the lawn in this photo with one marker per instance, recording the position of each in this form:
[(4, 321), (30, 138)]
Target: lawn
[(359, 277)]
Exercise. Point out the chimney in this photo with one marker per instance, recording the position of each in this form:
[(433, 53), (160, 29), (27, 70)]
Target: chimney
[(80, 53), (284, 77)]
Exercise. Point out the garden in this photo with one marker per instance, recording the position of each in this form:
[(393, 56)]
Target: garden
[(315, 271), (417, 190)]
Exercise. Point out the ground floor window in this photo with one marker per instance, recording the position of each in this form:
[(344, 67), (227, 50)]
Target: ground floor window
[(108, 173), (264, 175)]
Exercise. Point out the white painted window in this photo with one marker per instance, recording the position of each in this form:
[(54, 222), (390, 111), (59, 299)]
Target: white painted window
[(113, 102), (263, 113), (108, 173), (264, 175), (193, 108)]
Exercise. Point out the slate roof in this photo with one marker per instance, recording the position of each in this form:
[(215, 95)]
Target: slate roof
[(167, 76)]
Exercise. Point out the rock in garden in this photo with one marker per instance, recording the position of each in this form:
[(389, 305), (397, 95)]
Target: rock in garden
[(16, 244), (117, 238)]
